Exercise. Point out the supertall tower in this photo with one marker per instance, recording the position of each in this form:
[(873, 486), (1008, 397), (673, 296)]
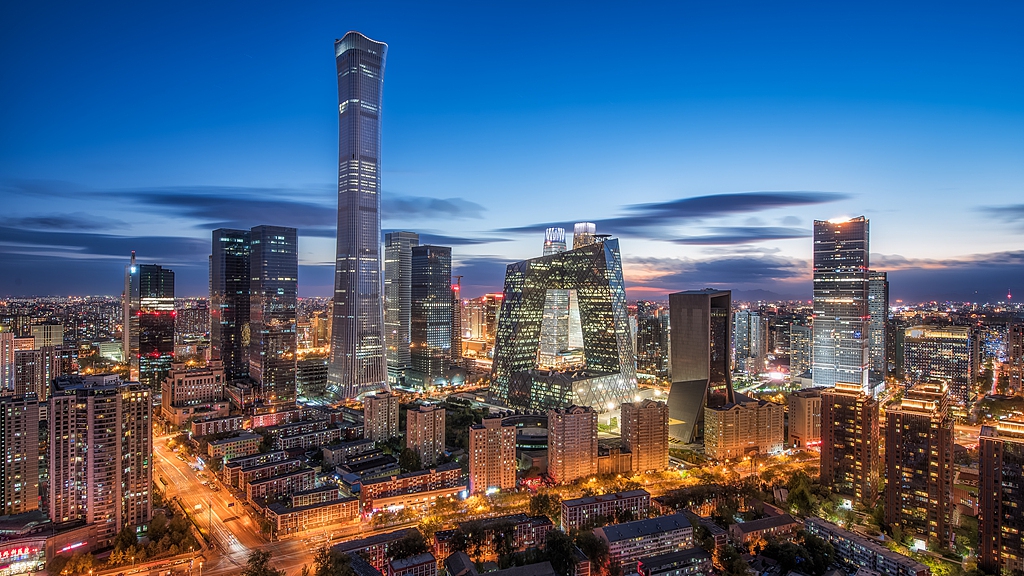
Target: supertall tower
[(357, 362)]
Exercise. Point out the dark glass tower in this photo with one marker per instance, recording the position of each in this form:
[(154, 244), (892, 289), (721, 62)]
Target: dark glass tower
[(431, 333), (229, 300), (878, 309), (357, 362), (398, 301), (274, 270), (148, 321)]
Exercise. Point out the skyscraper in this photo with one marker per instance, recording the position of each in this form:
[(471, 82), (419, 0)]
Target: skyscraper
[(645, 434), (841, 316), (273, 287), (1001, 497), (554, 328), (6, 361), (572, 443), (849, 443), (492, 456), (229, 301), (19, 454), (431, 322), (148, 321), (750, 334), (942, 353), (878, 309), (651, 340), (799, 349), (919, 464), (424, 432), (701, 323), (584, 234), (357, 362), (398, 301)]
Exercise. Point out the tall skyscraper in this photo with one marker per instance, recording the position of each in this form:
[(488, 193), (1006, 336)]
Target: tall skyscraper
[(841, 316), (750, 333), (432, 314), (919, 464), (1001, 497), (701, 323), (572, 443), (651, 340), (645, 434), (424, 432), (357, 362), (878, 310), (943, 353), (800, 354), (148, 321), (456, 352), (101, 453), (398, 301), (274, 274), (380, 416), (6, 361), (584, 234), (19, 454), (492, 456), (850, 451), (229, 301), (34, 370), (554, 328)]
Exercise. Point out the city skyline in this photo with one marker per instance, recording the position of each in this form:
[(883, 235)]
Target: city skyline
[(727, 157)]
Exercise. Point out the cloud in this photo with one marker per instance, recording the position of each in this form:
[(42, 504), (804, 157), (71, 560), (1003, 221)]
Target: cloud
[(91, 246), (75, 221), (402, 207), (1011, 214), (741, 235), (437, 239)]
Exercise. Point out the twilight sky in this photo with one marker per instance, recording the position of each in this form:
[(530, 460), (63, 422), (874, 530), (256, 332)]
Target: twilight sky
[(707, 136)]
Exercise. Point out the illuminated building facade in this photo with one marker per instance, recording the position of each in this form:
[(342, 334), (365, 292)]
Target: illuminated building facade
[(229, 301), (878, 310), (750, 333), (148, 321), (19, 454), (398, 301), (644, 428), (432, 314), (554, 328), (651, 340), (841, 316), (572, 443), (608, 377), (424, 432), (850, 452), (744, 427), (6, 361), (800, 357), (380, 416), (919, 464), (805, 418), (492, 456), (1001, 496), (945, 354), (358, 362), (701, 323), (274, 272)]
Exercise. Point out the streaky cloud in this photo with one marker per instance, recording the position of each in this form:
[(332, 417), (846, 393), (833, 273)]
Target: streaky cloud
[(729, 235)]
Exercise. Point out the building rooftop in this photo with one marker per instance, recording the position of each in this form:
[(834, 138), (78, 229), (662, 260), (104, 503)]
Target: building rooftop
[(869, 543), (765, 523), (417, 560), (687, 556), (643, 528), (441, 468), (280, 476), (279, 508), (605, 498), (353, 545), (239, 438)]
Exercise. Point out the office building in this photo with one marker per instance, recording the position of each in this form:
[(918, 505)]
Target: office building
[(632, 541), (608, 376), (229, 300), (1001, 496), (919, 464), (750, 333), (456, 355), (311, 376), (380, 416), (579, 513), (432, 314), (878, 325), (651, 340), (274, 273), (841, 315), (424, 432), (193, 392), (398, 302), (193, 321), (700, 358), (148, 322), (19, 454), (572, 443), (800, 354), (358, 362), (584, 234), (554, 328), (100, 453), (805, 418), (492, 456), (942, 354), (644, 427), (743, 428), (864, 552), (850, 452)]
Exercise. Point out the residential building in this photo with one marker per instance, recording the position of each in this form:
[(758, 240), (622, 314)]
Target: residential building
[(631, 541), (48, 334), (283, 484), (942, 354), (750, 333), (850, 450), (233, 467), (6, 361), (398, 302), (186, 387), (919, 464), (424, 432), (432, 314), (228, 448), (357, 362), (690, 562), (779, 527), (856, 551), (291, 519), (742, 428), (340, 453), (148, 303), (525, 531), (492, 456), (375, 548), (412, 489), (380, 416), (572, 443), (1001, 495), (274, 276), (216, 425), (250, 474), (800, 355), (19, 454), (644, 427), (420, 565), (586, 511), (805, 418)]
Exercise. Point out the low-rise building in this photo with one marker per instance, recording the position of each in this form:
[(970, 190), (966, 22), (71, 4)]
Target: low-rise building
[(420, 565), (412, 488), (374, 548), (241, 445), (281, 485), (859, 551), (527, 532), (256, 473), (339, 453), (265, 417), (300, 427), (581, 512), (233, 467), (310, 439), (318, 495), (781, 527), (216, 425), (289, 520), (631, 541), (689, 562)]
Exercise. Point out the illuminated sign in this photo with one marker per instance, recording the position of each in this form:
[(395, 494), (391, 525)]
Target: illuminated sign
[(71, 547)]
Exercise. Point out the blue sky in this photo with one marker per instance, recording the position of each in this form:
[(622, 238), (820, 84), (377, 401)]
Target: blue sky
[(706, 136)]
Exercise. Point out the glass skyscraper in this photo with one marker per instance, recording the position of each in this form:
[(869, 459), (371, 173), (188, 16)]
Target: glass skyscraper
[(148, 321), (554, 329), (229, 300), (357, 362), (398, 301), (274, 270), (841, 316), (878, 309), (432, 313)]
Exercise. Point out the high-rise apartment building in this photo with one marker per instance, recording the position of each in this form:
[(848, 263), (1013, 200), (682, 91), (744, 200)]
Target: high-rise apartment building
[(944, 354), (398, 301), (492, 309), (800, 355), (572, 443), (19, 454), (148, 321), (701, 322), (380, 416), (456, 351), (644, 428), (432, 314), (919, 464), (878, 325), (358, 362), (101, 453), (492, 456), (841, 317), (1001, 497), (424, 432), (742, 428), (34, 369), (750, 333), (6, 361), (850, 452), (229, 301), (274, 273), (49, 334), (554, 328), (805, 418)]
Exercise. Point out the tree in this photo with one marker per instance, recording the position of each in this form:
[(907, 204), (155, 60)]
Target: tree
[(596, 550), (410, 460), (258, 564), (544, 504), (731, 561), (560, 551), (409, 546), (327, 562), (126, 538)]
